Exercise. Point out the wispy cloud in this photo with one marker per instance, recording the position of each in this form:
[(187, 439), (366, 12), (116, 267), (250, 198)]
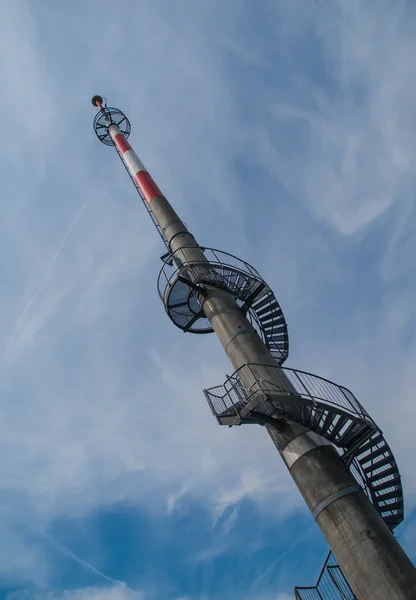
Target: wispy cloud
[(83, 563), (89, 593), (20, 320), (346, 118), (281, 133)]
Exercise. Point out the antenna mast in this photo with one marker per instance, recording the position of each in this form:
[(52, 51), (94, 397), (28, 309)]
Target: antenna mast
[(113, 128), (334, 451)]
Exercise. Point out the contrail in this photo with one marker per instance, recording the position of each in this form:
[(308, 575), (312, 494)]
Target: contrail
[(274, 564), (49, 272), (82, 562), (62, 548)]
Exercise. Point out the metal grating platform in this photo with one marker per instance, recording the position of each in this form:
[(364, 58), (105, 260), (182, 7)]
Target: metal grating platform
[(180, 284)]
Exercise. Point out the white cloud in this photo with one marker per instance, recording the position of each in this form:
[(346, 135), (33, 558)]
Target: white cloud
[(101, 395), (89, 593), (117, 593), (22, 560), (347, 121), (86, 332)]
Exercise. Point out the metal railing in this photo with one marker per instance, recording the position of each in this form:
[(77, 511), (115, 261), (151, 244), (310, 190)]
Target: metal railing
[(286, 385), (188, 272), (331, 584), (215, 266)]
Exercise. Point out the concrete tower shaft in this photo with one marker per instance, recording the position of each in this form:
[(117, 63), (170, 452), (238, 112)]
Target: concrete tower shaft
[(229, 297)]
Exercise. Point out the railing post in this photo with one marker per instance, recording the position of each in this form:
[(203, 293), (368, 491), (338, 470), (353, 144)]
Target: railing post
[(344, 597), (354, 408), (302, 384)]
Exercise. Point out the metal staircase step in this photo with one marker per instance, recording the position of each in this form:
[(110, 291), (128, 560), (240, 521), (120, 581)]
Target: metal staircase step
[(277, 338), (271, 307), (354, 445), (387, 484), (374, 454), (376, 465), (354, 441), (350, 433), (276, 350), (301, 413), (240, 291), (263, 293), (382, 474), (388, 496), (238, 287), (276, 335), (255, 292), (393, 521), (271, 315), (276, 345), (393, 506), (329, 419), (337, 428), (372, 442), (266, 300), (274, 324)]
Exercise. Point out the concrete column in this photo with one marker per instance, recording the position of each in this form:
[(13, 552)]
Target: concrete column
[(370, 557), (372, 560)]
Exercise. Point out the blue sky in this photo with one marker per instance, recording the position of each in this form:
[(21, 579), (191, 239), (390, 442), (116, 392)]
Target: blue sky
[(282, 132)]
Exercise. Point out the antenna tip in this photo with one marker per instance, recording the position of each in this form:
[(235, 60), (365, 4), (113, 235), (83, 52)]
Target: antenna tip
[(96, 101)]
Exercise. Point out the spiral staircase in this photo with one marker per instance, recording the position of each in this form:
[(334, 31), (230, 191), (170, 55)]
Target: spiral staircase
[(179, 288), (318, 404)]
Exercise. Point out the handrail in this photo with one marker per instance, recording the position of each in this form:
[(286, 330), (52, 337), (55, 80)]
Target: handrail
[(330, 568), (213, 259), (188, 273), (303, 384), (327, 587)]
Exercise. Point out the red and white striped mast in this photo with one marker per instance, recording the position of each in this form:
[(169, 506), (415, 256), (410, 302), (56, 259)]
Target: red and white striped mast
[(113, 128), (137, 170)]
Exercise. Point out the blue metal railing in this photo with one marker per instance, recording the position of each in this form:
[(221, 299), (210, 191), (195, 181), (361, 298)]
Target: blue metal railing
[(331, 584)]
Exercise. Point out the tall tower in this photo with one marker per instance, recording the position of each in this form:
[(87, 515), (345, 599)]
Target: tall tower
[(333, 449)]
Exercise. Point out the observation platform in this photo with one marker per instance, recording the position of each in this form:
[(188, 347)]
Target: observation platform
[(181, 283), (110, 116), (322, 406)]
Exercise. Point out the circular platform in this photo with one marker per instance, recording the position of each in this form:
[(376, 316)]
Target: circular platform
[(180, 286), (110, 116)]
